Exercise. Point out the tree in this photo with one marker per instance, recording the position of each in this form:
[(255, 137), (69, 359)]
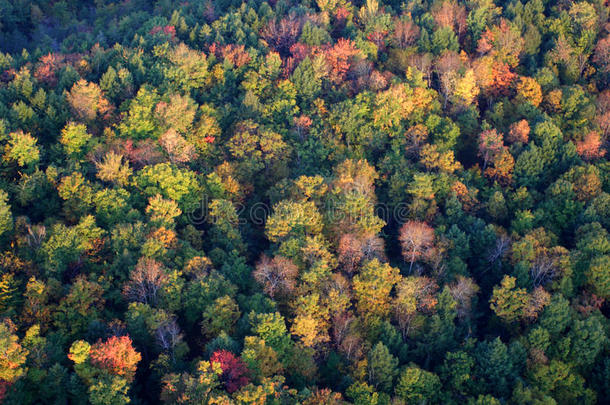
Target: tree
[(139, 122), (466, 89), (260, 359), (87, 102), (491, 144), (109, 390), (145, 281), (234, 370), (502, 167), (77, 192), (382, 368), (418, 386), (12, 361), (463, 291), (116, 356), (277, 275), (200, 387), (220, 316), (590, 148), (6, 218), (293, 219), (372, 288), (519, 132), (339, 59), (22, 148), (417, 240), (67, 245), (188, 69), (177, 148), (507, 301), (82, 305), (311, 321), (177, 114), (162, 211), (74, 138), (602, 50), (112, 169), (280, 36), (497, 365), (598, 276), (406, 32), (413, 294), (529, 91), (180, 185)]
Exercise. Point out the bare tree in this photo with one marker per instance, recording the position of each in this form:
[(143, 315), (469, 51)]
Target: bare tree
[(277, 275), (462, 291), (36, 235), (145, 281), (499, 250), (416, 239), (543, 269), (168, 334)]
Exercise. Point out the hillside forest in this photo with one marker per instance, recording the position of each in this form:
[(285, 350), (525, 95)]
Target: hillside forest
[(316, 202)]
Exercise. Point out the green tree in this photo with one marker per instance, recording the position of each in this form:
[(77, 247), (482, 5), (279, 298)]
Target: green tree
[(74, 138), (6, 218), (507, 301), (418, 386), (169, 181), (22, 148), (382, 367)]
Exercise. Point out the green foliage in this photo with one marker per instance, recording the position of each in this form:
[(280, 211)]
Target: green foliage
[(318, 202)]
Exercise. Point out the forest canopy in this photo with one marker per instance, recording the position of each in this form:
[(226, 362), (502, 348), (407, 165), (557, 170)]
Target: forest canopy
[(307, 202)]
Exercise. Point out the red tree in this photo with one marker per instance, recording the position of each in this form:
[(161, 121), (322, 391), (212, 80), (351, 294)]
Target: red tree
[(519, 132), (339, 59), (490, 145), (590, 148), (602, 54), (116, 355), (501, 79), (234, 370)]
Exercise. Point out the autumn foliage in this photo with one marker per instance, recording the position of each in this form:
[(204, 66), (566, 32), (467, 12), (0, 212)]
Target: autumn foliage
[(234, 370), (116, 355)]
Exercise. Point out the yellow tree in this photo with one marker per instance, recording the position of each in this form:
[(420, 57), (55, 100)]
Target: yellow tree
[(528, 90), (372, 288), (508, 302), (311, 321)]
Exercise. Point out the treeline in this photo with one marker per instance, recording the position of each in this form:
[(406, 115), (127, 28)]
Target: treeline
[(304, 202)]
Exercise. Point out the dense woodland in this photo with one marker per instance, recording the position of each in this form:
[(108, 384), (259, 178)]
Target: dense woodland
[(304, 202)]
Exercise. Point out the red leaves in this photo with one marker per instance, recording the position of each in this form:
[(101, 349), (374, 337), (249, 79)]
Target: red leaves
[(116, 355), (339, 59), (168, 30), (590, 148), (519, 132), (502, 79), (234, 370), (236, 54), (602, 54)]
